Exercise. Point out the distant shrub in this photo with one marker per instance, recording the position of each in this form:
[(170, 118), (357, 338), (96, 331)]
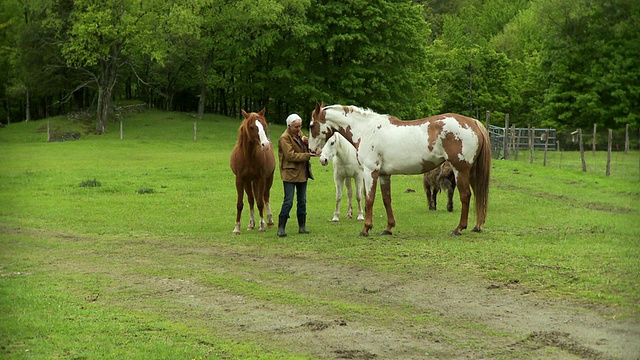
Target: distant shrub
[(145, 190), (90, 183)]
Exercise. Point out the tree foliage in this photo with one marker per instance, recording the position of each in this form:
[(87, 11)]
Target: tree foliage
[(562, 63)]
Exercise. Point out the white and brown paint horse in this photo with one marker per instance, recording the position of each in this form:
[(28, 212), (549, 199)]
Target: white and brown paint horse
[(386, 145), (253, 163), (345, 167)]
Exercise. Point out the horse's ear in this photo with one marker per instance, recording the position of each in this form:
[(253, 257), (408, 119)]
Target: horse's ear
[(319, 107), (261, 113), (244, 113)]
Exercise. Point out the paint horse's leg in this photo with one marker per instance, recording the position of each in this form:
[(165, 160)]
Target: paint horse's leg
[(339, 182), (347, 183), (462, 182), (385, 189), (370, 184), (248, 188), (239, 204)]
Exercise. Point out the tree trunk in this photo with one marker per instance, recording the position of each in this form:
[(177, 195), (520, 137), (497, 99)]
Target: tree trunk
[(108, 77), (202, 101)]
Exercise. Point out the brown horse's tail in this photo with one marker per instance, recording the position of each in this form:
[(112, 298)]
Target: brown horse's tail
[(481, 179)]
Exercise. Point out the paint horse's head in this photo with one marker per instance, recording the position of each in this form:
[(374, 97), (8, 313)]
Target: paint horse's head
[(319, 131), (254, 129)]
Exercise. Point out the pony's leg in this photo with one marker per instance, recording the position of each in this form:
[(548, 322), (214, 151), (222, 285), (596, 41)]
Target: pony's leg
[(339, 181), (239, 204), (450, 199), (370, 184), (347, 183), (359, 184), (436, 189), (427, 190), (385, 189), (248, 188), (462, 181)]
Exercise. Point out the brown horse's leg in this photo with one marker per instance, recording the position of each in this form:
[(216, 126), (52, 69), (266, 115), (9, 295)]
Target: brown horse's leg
[(239, 204), (385, 189), (465, 198), (259, 188), (370, 197), (248, 188), (267, 199)]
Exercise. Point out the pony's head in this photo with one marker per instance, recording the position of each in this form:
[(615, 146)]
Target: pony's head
[(329, 149), (319, 131), (254, 128)]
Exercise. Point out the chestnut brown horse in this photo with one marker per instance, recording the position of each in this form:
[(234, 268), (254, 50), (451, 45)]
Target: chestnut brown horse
[(386, 145), (253, 163)]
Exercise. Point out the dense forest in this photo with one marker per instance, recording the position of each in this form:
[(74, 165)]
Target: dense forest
[(559, 63)]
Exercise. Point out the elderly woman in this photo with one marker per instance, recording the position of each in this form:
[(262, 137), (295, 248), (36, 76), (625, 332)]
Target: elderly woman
[(295, 170)]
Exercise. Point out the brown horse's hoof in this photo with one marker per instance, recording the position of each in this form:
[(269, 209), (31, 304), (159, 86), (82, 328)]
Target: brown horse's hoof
[(362, 233), (386, 232), (456, 232), (477, 229)]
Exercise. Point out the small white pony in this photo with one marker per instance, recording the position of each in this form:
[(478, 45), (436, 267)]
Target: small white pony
[(345, 168)]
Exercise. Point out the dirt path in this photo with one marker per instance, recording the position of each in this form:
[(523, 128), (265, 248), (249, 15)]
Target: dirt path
[(346, 311), (469, 318)]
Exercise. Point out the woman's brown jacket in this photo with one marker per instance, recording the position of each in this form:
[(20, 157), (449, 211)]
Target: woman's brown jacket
[(294, 158)]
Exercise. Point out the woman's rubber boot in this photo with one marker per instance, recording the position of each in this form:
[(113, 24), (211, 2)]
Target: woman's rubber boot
[(302, 222), (282, 223)]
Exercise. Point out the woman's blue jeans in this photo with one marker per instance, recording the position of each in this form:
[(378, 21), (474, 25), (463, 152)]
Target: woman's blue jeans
[(289, 188)]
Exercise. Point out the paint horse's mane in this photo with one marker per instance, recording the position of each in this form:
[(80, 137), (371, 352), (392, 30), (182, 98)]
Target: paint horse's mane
[(354, 109)]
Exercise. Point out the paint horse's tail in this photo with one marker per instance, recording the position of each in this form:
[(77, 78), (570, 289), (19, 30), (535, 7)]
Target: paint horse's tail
[(480, 180)]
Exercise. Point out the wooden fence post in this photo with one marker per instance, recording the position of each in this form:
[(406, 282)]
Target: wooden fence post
[(584, 163), (626, 139), (593, 142), (516, 141), (531, 131), (48, 131), (195, 131), (488, 117), (513, 140), (505, 144), (609, 143), (121, 130), (545, 138)]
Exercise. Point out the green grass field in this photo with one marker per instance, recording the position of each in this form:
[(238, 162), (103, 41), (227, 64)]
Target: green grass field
[(163, 200)]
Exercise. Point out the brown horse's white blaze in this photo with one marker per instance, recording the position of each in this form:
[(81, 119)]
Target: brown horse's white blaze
[(386, 145), (253, 163)]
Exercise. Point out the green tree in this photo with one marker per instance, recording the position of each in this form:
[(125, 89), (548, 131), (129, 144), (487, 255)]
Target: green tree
[(372, 53), (97, 36), (591, 62)]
